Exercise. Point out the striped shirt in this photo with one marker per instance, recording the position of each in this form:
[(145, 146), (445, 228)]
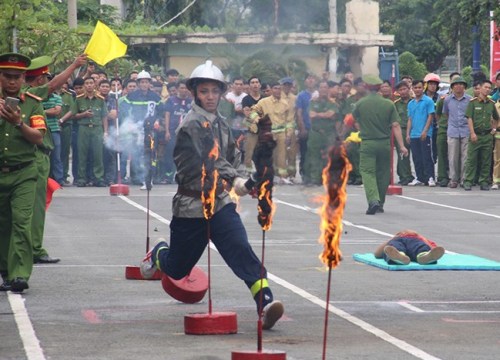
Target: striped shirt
[(52, 121)]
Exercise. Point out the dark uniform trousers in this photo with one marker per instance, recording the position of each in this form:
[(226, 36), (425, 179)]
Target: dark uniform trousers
[(66, 130), (442, 156), (38, 222), (375, 168), (479, 152), (404, 164), (90, 139), (188, 240), (17, 195)]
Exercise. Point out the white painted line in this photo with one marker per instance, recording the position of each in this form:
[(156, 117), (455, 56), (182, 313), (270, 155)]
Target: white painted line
[(410, 349), (450, 207), (31, 343), (345, 222), (403, 345), (410, 307), (140, 207)]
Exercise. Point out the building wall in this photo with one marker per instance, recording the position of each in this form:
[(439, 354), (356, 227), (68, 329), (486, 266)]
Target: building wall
[(185, 57), (362, 17)]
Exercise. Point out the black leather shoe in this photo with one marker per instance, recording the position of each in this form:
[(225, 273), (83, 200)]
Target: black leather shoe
[(380, 209), (373, 208), (6, 286), (467, 187), (46, 259), (18, 285), (485, 187)]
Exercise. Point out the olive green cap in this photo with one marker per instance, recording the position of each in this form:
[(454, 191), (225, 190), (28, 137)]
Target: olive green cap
[(39, 66), (458, 80), (371, 79)]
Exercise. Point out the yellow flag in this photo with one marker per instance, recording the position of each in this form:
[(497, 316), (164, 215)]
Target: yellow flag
[(104, 45)]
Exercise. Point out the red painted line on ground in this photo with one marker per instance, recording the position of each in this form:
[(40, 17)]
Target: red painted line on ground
[(91, 316)]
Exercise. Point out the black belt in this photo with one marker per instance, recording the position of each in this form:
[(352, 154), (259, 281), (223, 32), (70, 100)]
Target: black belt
[(12, 168), (195, 193)]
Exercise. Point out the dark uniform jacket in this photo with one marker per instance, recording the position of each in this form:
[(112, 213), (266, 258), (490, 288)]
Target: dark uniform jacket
[(197, 127)]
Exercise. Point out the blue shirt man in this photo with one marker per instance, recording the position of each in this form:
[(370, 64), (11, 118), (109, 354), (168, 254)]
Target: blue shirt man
[(455, 108), (419, 134), (419, 111)]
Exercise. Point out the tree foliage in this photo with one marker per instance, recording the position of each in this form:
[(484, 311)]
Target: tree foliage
[(268, 65), (409, 65), (431, 29)]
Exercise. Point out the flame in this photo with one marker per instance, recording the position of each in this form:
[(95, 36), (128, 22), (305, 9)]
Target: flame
[(209, 179), (265, 206), (151, 142), (335, 176), (235, 199)]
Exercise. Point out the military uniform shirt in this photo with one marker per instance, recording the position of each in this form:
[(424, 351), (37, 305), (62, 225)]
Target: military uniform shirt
[(481, 113), (375, 116), (67, 103), (402, 108), (14, 148), (321, 124), (96, 104)]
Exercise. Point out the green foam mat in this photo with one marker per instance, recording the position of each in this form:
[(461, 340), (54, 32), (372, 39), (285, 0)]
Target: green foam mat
[(447, 262)]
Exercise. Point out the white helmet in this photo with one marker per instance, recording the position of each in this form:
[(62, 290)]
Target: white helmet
[(206, 71), (143, 75)]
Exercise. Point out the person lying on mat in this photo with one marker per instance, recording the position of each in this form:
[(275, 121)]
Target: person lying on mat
[(407, 246)]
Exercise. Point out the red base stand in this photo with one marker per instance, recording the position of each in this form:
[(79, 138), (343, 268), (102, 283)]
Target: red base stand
[(394, 190), (190, 289), (119, 189), (134, 273), (216, 323), (258, 355)]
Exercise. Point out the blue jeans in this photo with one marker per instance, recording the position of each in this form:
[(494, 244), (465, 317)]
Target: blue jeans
[(422, 158), (188, 239), (409, 245), (168, 158), (56, 166)]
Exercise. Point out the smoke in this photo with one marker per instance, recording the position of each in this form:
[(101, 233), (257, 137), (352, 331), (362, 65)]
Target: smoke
[(131, 135), (129, 141)]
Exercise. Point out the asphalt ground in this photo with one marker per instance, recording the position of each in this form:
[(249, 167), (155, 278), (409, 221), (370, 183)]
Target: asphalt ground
[(84, 308)]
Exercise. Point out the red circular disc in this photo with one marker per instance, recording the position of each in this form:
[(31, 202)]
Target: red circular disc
[(134, 273), (119, 189), (258, 355), (216, 323), (394, 190), (190, 289)]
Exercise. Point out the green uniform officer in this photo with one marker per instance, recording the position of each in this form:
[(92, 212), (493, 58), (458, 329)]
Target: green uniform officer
[(404, 165), (346, 107), (91, 112), (442, 144), (482, 117), (66, 129), (21, 128), (324, 115), (376, 117), (36, 78)]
